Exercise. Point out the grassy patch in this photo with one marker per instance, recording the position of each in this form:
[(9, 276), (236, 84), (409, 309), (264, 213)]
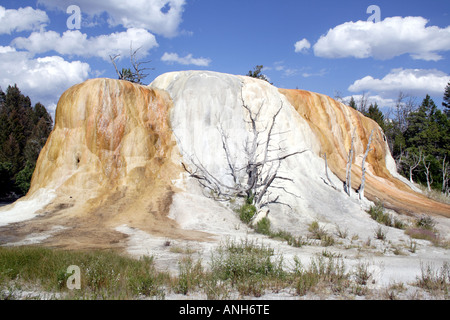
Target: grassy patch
[(319, 233), (247, 211), (322, 272), (378, 214), (424, 229), (435, 280), (103, 274)]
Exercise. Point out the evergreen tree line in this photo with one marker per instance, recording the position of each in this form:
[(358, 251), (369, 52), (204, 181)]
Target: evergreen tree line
[(23, 133), (418, 137)]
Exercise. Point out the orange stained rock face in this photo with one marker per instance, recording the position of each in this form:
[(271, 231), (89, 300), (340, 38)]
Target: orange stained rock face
[(104, 129), (109, 159), (334, 124)]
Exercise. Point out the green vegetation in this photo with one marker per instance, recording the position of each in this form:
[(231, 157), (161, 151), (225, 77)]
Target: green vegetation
[(257, 73), (424, 229), (319, 233), (104, 274), (436, 281), (418, 137), (236, 269), (379, 215), (247, 211), (23, 133)]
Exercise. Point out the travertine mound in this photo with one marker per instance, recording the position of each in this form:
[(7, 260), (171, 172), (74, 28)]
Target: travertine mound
[(114, 159)]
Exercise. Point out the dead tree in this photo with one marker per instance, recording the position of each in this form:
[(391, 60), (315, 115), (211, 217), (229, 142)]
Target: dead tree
[(348, 174), (256, 177), (427, 165), (328, 182), (363, 168), (445, 175), (136, 75), (413, 161)]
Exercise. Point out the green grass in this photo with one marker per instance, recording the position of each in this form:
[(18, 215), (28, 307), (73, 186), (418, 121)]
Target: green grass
[(377, 213), (236, 269), (103, 274), (319, 233), (424, 229), (435, 280)]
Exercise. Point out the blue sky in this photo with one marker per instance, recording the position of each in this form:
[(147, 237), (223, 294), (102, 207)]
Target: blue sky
[(323, 46)]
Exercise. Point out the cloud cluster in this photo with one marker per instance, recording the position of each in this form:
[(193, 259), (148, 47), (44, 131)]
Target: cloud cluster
[(187, 60), (40, 78), (162, 17), (45, 78), (417, 82), (386, 39), (302, 45), (22, 19), (75, 43)]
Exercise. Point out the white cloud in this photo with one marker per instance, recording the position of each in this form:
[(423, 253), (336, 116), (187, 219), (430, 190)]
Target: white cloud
[(417, 82), (386, 39), (302, 45), (385, 103), (287, 72), (162, 17), (42, 79), (75, 43), (321, 73), (22, 19), (187, 60)]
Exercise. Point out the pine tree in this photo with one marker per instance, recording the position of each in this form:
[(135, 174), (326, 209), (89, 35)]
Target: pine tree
[(23, 132), (352, 103), (375, 113), (257, 73), (446, 102), (428, 130)]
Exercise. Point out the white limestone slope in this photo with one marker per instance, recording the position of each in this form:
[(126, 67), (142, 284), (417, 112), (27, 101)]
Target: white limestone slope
[(203, 101)]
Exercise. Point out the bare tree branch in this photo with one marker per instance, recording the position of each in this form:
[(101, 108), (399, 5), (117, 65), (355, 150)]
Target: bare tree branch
[(257, 176), (363, 168), (348, 175)]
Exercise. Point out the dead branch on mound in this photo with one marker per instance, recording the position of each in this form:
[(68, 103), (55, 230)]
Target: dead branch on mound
[(348, 174), (328, 181), (136, 75), (363, 168), (255, 179)]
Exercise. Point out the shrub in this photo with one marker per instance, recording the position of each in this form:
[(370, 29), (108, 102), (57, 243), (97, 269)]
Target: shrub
[(237, 261), (190, 275), (320, 270), (380, 233), (425, 222), (377, 213), (263, 226), (247, 211), (435, 280), (320, 234)]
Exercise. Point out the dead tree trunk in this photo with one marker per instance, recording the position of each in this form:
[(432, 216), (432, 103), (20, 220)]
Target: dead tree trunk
[(415, 162), (445, 172), (256, 178), (427, 165), (363, 168), (348, 175), (330, 183)]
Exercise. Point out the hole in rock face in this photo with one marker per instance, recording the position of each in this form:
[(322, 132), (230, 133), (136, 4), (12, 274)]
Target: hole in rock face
[(77, 160)]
